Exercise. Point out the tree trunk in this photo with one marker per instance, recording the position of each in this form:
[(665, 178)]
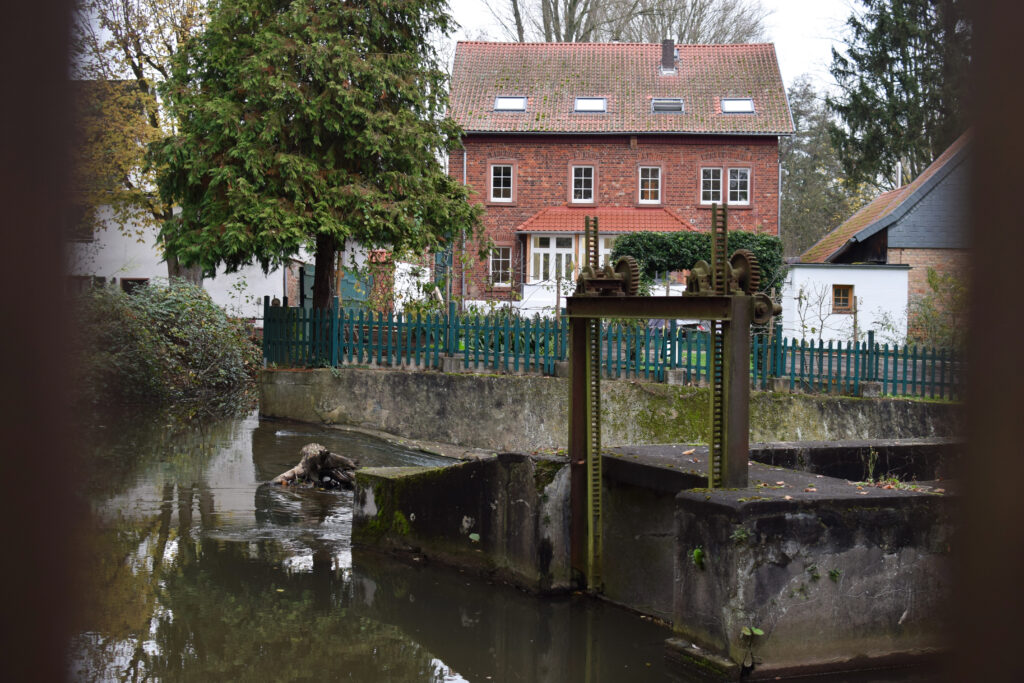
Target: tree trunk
[(191, 274), (323, 280)]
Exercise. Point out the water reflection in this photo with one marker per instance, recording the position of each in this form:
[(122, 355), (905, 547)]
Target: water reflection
[(199, 572)]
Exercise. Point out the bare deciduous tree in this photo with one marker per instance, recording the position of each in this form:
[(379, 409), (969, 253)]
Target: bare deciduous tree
[(644, 21)]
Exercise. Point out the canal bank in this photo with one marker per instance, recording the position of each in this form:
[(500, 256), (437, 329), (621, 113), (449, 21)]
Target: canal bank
[(522, 413)]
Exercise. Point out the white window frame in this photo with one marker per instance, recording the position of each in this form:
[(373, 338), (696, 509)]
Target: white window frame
[(657, 188), (509, 103), (746, 189), (737, 105), (499, 255), (511, 183), (703, 180), (593, 177), (546, 260), (590, 105), (604, 249)]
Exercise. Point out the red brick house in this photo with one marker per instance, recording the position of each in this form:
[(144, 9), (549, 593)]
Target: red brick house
[(643, 136)]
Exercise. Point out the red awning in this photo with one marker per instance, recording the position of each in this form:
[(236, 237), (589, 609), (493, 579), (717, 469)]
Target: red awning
[(610, 219)]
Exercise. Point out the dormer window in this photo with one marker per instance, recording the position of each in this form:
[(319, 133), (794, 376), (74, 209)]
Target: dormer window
[(591, 105), (737, 105), (667, 105), (509, 103)]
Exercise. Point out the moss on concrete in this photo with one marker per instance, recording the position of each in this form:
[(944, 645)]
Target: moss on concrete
[(474, 410)]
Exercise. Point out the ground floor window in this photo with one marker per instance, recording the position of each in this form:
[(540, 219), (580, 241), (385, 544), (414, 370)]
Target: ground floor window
[(501, 266), (842, 298), (604, 249), (551, 256)]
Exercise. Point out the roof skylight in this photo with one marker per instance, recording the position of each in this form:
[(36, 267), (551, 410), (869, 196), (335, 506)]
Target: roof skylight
[(591, 104), (509, 103), (667, 105), (737, 105)]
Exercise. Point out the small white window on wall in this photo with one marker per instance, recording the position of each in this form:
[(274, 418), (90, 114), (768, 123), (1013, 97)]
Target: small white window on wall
[(650, 185), (501, 266), (582, 184), (501, 183), (551, 256), (739, 185), (711, 186)]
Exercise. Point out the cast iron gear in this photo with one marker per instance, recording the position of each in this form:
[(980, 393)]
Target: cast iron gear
[(745, 270), (627, 268)]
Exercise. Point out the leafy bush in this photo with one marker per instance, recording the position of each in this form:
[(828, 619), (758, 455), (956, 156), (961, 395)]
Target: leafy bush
[(163, 344), (657, 252)]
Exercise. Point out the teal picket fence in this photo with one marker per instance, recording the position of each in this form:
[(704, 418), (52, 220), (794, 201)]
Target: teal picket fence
[(303, 337)]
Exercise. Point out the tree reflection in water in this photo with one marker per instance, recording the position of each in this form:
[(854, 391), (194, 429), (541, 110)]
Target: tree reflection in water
[(198, 572)]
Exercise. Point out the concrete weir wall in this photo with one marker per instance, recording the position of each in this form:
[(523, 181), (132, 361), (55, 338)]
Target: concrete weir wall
[(519, 413), (835, 576), (505, 516)]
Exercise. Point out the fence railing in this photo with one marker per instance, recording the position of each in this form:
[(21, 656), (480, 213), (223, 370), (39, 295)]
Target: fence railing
[(302, 337)]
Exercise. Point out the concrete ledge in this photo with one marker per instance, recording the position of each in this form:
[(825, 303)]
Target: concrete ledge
[(527, 413), (505, 516), (829, 575), (862, 460)]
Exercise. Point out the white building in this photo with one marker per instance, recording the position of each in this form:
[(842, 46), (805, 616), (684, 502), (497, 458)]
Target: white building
[(828, 301), (125, 260)]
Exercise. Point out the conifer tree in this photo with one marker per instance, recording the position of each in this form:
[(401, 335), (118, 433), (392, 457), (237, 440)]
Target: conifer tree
[(306, 123), (903, 84)]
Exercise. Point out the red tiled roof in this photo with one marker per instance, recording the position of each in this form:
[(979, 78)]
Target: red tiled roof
[(552, 75), (610, 219), (875, 212)]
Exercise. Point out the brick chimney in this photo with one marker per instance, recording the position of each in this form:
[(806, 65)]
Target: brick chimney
[(668, 55)]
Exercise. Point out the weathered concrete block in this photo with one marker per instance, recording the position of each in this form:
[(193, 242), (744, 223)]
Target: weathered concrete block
[(829, 580), (453, 363), (506, 516), (870, 389), (511, 413), (862, 459)]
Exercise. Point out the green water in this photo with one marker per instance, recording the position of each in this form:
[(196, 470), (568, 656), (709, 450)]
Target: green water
[(197, 572)]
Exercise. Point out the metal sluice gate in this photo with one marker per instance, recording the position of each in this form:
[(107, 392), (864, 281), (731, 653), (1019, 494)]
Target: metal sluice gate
[(723, 292)]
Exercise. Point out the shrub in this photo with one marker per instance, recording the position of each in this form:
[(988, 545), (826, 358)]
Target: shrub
[(163, 344)]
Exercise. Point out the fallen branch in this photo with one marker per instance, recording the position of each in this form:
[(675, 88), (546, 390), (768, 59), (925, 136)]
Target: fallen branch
[(320, 467)]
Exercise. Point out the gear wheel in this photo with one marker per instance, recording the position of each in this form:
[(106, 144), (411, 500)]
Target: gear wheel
[(746, 271), (628, 268)]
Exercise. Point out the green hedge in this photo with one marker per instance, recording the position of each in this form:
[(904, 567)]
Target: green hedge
[(657, 252)]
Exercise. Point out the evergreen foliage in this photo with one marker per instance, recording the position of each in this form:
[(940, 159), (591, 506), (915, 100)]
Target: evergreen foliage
[(307, 123), (657, 252), (163, 345), (903, 82), (816, 194)]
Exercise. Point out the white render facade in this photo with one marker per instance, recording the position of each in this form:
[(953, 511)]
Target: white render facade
[(117, 257), (829, 301)]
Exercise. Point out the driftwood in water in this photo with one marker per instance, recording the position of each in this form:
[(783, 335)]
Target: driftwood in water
[(320, 467)]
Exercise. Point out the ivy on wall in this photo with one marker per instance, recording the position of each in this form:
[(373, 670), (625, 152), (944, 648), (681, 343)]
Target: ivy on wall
[(657, 252)]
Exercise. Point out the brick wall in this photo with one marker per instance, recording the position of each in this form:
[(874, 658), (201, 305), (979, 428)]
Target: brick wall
[(542, 179), (953, 261)]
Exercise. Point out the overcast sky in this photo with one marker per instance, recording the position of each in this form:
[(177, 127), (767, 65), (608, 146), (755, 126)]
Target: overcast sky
[(803, 32)]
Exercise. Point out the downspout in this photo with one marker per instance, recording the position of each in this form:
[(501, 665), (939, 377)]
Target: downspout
[(778, 208), (463, 269)]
